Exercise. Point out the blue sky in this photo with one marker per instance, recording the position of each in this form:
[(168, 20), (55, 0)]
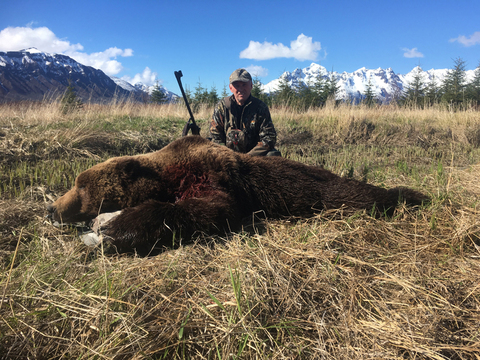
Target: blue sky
[(146, 40)]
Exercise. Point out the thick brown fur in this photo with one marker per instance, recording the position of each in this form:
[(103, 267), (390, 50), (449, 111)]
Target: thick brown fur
[(193, 185)]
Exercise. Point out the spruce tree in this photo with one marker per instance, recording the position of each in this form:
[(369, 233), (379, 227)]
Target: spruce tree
[(415, 89), (332, 86), (306, 96), (224, 91), (69, 101), (474, 86), (212, 96), (158, 96), (257, 88), (320, 89), (200, 96), (258, 92), (454, 84), (369, 97), (432, 92), (285, 95)]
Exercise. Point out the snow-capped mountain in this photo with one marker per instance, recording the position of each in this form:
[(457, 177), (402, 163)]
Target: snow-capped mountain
[(123, 84), (352, 86), (140, 87), (34, 75)]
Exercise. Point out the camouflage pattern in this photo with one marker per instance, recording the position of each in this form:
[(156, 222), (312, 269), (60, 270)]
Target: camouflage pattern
[(242, 128)]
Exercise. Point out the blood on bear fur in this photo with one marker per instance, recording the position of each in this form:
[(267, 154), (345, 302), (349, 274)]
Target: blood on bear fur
[(193, 185), (191, 182)]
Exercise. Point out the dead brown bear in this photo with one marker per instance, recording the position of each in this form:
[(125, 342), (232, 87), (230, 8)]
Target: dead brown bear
[(194, 185)]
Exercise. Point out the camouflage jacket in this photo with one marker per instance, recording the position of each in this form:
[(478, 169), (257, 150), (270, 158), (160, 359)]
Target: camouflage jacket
[(241, 128)]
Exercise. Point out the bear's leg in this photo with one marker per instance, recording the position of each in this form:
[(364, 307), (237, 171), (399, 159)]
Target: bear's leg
[(95, 236), (161, 224)]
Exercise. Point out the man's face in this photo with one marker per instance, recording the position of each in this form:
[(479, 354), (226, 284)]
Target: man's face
[(241, 91)]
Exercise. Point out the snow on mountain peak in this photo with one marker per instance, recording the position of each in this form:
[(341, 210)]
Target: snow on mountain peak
[(31, 50), (385, 82), (31, 63)]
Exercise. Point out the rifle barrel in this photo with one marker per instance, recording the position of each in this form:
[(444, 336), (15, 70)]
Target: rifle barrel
[(178, 75)]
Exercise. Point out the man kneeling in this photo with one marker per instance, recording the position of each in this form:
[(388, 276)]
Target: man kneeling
[(243, 122)]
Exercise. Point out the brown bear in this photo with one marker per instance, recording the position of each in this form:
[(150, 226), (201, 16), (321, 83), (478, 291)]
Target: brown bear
[(193, 185)]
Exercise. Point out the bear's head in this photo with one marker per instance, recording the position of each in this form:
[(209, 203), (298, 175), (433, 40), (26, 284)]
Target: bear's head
[(110, 186)]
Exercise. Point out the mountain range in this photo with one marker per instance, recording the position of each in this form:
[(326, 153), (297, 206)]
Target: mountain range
[(386, 84), (34, 75)]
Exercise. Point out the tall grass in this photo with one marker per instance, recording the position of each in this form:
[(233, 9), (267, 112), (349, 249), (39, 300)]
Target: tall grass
[(336, 286)]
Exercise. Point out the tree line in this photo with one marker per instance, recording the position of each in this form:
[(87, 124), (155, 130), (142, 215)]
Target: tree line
[(453, 91), (305, 96)]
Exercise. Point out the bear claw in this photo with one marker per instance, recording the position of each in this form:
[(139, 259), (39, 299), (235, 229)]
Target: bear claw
[(91, 239)]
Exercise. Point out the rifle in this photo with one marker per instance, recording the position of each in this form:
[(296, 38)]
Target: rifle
[(191, 122)]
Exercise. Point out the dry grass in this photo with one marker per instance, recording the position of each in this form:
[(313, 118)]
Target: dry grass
[(336, 286)]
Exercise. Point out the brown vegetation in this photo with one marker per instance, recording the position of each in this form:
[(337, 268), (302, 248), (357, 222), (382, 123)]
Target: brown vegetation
[(336, 286)]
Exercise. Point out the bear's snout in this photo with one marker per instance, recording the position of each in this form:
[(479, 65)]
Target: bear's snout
[(51, 210), (67, 208)]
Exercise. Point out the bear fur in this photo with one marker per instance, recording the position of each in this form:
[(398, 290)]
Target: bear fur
[(193, 185)]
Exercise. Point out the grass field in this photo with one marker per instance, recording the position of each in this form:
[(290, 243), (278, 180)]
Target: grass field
[(336, 286)]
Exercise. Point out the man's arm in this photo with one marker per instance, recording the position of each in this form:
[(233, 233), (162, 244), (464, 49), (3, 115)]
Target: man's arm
[(217, 124), (267, 133)]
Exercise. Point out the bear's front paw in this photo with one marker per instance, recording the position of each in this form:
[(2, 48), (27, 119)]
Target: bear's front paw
[(95, 237), (100, 222), (91, 239)]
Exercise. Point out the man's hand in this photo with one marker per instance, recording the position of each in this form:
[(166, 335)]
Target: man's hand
[(259, 150)]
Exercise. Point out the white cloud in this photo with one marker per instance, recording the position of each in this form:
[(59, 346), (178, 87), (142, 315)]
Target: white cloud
[(303, 48), (105, 60), (412, 53), (470, 41), (257, 71), (42, 38), (147, 77)]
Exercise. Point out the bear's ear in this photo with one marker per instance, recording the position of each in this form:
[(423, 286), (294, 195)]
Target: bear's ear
[(85, 178), (127, 166), (134, 169)]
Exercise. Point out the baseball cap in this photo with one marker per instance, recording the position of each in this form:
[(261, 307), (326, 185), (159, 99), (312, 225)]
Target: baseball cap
[(240, 75)]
